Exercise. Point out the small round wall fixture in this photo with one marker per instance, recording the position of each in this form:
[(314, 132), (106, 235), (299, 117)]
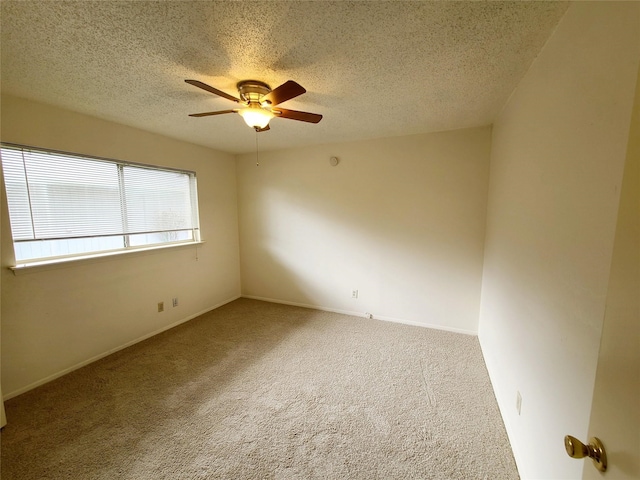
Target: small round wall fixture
[(333, 161)]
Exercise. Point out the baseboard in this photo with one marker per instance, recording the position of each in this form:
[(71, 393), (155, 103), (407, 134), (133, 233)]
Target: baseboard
[(84, 363), (360, 314)]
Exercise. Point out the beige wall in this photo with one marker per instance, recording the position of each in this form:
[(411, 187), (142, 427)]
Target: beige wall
[(399, 219), (56, 319), (557, 160)]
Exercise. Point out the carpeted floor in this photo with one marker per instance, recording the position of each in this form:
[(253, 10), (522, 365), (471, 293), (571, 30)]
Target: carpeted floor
[(256, 390)]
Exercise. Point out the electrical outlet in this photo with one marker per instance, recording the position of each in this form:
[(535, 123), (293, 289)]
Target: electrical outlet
[(354, 293), (518, 402), (368, 315), (175, 302), (160, 306)]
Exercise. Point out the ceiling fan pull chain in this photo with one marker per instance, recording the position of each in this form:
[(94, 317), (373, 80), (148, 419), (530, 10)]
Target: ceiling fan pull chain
[(257, 161)]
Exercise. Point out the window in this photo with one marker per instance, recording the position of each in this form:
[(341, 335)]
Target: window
[(65, 205)]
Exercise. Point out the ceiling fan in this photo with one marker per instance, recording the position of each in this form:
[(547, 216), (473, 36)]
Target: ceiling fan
[(259, 103)]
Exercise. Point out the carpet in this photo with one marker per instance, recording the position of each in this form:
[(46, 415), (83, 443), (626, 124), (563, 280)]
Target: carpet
[(256, 390)]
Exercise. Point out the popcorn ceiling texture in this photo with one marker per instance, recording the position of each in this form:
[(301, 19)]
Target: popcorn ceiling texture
[(373, 69)]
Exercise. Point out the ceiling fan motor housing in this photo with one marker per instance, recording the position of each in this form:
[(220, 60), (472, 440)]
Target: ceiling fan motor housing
[(252, 90)]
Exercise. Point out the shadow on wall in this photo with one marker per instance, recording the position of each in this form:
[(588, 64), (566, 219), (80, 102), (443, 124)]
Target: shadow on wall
[(402, 220), (136, 393), (277, 273)]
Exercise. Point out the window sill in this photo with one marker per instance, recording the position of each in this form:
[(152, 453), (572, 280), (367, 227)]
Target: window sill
[(37, 266)]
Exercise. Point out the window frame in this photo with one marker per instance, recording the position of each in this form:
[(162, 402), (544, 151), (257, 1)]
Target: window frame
[(127, 248)]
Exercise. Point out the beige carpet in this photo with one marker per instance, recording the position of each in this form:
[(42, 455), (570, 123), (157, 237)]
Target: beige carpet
[(267, 391)]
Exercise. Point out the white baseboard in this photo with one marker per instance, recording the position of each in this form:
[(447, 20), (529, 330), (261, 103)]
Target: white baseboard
[(360, 314), (49, 378), (84, 363)]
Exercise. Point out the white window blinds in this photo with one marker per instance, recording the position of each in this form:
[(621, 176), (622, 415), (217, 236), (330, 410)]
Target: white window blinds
[(57, 197)]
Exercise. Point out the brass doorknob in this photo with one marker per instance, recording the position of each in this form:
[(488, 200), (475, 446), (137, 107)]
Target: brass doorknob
[(595, 450)]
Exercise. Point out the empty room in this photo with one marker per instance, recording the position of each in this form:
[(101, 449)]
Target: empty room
[(313, 239)]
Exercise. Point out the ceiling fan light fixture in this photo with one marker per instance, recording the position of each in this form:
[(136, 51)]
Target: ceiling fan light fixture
[(258, 100), (256, 116)]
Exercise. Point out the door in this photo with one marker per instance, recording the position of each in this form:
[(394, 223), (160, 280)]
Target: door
[(615, 411)]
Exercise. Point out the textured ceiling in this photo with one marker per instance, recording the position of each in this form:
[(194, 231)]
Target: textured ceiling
[(372, 69)]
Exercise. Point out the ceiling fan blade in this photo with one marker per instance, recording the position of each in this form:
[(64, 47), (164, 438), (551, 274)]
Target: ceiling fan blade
[(207, 114), (296, 115), (284, 92), (210, 89)]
